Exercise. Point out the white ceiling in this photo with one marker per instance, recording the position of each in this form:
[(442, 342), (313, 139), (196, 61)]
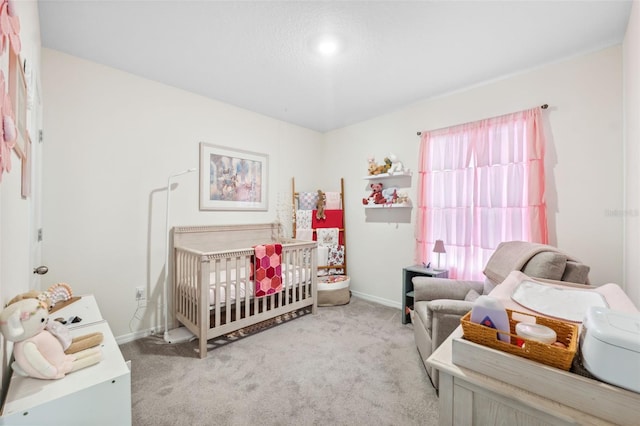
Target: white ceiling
[(259, 55)]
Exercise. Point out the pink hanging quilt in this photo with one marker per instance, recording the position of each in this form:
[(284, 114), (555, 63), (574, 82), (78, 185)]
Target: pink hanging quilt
[(267, 269)]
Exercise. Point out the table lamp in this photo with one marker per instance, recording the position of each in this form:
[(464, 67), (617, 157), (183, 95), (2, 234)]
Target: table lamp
[(439, 248)]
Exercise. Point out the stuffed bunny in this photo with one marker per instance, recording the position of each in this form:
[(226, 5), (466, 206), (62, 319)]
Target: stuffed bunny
[(38, 353)]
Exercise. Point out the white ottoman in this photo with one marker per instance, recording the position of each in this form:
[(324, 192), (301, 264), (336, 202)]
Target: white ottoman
[(333, 290)]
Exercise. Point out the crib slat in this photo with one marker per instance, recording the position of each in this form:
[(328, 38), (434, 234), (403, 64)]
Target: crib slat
[(238, 286), (217, 295), (294, 261), (202, 307), (248, 291), (186, 285), (229, 290), (256, 302), (191, 268), (299, 271)]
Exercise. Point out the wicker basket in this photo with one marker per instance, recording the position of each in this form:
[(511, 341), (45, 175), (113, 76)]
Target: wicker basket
[(554, 356)]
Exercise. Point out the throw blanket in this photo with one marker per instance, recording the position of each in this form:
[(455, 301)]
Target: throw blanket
[(336, 257), (512, 256), (304, 234), (323, 256), (307, 200), (303, 225), (332, 201), (303, 219), (333, 219), (328, 237), (267, 269)]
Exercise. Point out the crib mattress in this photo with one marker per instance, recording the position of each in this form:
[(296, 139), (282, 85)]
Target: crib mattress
[(290, 276)]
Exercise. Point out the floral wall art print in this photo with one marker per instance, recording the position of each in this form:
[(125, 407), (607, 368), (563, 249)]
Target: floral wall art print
[(232, 179)]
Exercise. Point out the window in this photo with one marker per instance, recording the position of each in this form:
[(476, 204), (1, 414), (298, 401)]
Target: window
[(480, 184)]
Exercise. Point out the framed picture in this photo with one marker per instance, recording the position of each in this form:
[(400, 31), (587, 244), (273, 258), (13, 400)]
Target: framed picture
[(232, 179), (18, 94)]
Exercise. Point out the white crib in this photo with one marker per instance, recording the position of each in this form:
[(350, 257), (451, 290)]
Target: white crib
[(211, 293)]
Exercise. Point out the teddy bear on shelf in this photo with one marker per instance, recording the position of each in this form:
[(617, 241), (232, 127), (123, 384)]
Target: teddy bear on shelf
[(38, 352), (376, 196)]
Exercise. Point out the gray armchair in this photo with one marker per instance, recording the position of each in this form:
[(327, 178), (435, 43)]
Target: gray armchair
[(439, 303)]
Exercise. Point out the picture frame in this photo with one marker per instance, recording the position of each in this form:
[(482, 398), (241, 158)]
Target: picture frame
[(18, 94), (232, 179)]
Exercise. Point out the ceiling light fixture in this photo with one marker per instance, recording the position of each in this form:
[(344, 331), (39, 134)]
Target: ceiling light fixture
[(328, 47)]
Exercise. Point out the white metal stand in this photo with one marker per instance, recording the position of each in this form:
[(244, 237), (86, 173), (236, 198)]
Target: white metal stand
[(179, 334)]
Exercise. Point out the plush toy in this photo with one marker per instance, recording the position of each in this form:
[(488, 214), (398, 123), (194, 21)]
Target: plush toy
[(372, 166), (39, 353), (396, 166), (387, 165), (322, 199), (376, 196), (50, 297), (403, 198), (375, 169), (31, 294), (390, 195)]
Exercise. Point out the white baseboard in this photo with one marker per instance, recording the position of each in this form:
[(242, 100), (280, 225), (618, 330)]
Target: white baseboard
[(385, 302), (135, 336)]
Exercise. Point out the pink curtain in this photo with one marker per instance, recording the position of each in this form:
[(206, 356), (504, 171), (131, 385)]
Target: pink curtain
[(480, 184)]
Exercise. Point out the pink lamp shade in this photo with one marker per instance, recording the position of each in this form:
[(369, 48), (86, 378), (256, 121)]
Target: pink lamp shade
[(439, 248)]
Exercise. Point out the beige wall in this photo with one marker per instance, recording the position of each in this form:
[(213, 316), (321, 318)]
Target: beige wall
[(112, 140), (631, 61), (584, 167)]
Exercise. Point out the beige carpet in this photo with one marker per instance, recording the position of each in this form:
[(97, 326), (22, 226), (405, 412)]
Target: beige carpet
[(355, 364)]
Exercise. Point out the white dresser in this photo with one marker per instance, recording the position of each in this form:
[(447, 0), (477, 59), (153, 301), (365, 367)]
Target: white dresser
[(96, 395), (481, 386)]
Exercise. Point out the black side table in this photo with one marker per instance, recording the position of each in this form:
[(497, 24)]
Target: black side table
[(407, 285)]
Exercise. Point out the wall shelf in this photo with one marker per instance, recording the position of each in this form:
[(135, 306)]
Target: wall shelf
[(388, 206), (399, 181), (387, 175)]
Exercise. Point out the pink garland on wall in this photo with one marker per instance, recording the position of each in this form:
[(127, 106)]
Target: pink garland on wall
[(9, 34)]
